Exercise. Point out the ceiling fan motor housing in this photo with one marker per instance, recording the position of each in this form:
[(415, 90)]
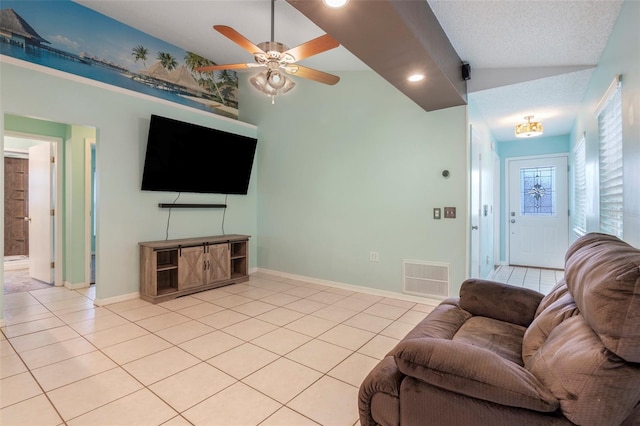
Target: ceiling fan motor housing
[(275, 51)]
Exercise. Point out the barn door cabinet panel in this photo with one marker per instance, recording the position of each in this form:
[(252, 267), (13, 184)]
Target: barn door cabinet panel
[(173, 268)]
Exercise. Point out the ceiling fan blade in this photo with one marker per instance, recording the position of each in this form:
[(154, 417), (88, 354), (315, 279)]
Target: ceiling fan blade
[(313, 47), (227, 67), (311, 74), (238, 38)]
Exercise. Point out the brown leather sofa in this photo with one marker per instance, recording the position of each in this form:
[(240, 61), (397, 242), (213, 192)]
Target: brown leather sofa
[(503, 355)]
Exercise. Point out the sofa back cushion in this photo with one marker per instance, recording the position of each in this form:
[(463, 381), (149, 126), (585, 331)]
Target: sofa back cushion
[(557, 306), (594, 386), (603, 276)]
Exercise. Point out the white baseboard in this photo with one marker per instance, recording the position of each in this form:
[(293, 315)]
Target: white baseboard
[(116, 299), (75, 286), (16, 265), (352, 287), (253, 270)]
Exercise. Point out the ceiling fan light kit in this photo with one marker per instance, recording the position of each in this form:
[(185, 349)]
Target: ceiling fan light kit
[(529, 129), (278, 60)]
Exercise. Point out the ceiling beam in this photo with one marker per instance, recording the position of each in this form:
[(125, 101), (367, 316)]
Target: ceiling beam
[(396, 38)]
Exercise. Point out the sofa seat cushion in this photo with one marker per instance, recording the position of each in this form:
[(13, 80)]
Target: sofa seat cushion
[(442, 323), (594, 386), (472, 371), (603, 276), (502, 338)]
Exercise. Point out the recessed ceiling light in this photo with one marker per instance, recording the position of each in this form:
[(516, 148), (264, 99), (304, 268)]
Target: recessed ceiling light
[(335, 3), (415, 77)]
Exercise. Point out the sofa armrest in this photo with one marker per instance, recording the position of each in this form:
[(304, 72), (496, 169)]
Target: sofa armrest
[(385, 378), (472, 371), (503, 302)]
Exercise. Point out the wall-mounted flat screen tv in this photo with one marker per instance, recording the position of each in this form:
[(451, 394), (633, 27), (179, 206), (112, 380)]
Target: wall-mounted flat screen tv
[(185, 157)]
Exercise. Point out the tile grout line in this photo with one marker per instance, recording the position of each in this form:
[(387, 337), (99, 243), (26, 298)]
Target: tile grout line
[(381, 300)]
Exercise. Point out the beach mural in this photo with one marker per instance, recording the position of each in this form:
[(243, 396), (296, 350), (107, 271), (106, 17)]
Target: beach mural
[(75, 39)]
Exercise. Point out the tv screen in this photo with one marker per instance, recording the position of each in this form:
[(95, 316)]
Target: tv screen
[(185, 157)]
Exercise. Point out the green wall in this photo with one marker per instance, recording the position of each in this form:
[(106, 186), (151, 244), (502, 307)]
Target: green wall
[(353, 168), (125, 214)]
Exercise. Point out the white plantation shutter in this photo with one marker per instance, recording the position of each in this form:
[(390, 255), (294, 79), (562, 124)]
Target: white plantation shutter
[(580, 189), (610, 132)]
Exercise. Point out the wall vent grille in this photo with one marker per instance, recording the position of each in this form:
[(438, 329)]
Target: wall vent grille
[(423, 278)]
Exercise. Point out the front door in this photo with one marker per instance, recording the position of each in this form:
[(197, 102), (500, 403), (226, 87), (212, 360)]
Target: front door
[(538, 215), (40, 218)]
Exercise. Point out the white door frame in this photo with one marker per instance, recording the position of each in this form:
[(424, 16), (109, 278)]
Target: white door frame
[(88, 142), (507, 188), (475, 202), (57, 199)]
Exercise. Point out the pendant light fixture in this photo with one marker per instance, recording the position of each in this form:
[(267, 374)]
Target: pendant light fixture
[(529, 129)]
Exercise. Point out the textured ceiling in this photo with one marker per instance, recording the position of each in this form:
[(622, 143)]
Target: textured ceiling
[(534, 42)]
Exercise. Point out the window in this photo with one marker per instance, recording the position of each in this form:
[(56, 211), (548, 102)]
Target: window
[(537, 191), (580, 189), (610, 132)]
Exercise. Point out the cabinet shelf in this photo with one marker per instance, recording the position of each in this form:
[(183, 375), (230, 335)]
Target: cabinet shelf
[(166, 267), (173, 268)]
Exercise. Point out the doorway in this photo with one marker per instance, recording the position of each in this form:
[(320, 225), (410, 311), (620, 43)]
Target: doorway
[(90, 209), (32, 227), (538, 211)]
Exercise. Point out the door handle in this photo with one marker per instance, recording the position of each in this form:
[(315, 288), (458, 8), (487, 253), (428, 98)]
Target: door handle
[(27, 219), (513, 221), (474, 227)]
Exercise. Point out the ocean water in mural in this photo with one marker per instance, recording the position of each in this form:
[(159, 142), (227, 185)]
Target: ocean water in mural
[(74, 39)]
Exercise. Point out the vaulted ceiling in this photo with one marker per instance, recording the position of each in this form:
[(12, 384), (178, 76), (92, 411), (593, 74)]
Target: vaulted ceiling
[(527, 57)]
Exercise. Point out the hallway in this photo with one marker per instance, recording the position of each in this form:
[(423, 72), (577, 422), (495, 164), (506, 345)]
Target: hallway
[(542, 280)]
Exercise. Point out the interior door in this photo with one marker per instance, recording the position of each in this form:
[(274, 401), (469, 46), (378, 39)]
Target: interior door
[(40, 218), (16, 191), (538, 217)]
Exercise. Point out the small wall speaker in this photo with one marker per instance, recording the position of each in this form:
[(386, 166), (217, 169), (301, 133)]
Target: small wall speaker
[(466, 72)]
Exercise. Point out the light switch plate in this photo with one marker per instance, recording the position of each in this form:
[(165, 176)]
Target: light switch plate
[(437, 213), (449, 212)]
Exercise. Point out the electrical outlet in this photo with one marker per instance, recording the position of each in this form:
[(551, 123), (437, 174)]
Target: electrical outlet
[(437, 213), (374, 256), (449, 212)]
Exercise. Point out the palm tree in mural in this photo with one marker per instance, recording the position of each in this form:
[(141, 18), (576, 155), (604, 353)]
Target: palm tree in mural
[(193, 61), (140, 54), (167, 60), (229, 82)]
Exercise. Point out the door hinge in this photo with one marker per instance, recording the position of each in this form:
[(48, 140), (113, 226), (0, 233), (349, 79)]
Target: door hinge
[(53, 160), (53, 265), (53, 212)]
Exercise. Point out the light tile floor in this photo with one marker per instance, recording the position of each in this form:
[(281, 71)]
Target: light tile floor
[(270, 351), (542, 280)]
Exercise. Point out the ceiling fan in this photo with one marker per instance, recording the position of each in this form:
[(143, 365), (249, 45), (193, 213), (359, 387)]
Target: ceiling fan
[(278, 60)]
